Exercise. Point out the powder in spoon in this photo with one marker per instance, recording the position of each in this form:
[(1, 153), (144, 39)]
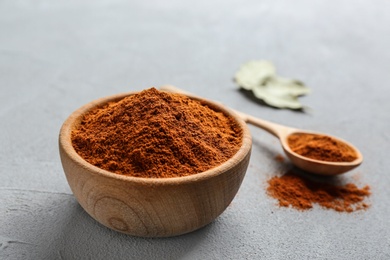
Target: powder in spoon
[(321, 147), (293, 189), (156, 134)]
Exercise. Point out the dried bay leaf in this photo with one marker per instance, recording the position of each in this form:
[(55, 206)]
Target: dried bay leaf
[(254, 73), (260, 77), (294, 87), (276, 97)]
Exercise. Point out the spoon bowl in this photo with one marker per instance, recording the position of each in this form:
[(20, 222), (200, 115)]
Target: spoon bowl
[(283, 132), (152, 207), (318, 166)]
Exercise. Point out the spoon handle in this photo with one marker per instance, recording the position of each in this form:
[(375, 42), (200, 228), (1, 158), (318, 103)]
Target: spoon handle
[(277, 130)]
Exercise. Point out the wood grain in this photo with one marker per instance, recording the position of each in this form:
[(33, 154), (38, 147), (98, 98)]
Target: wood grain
[(151, 207)]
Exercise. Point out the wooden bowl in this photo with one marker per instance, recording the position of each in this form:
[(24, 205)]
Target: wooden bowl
[(150, 207)]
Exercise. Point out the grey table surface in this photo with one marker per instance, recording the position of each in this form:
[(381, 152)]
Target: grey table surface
[(58, 55)]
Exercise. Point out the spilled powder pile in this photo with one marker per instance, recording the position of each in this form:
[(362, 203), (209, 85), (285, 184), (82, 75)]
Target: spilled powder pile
[(156, 134), (321, 147), (294, 190)]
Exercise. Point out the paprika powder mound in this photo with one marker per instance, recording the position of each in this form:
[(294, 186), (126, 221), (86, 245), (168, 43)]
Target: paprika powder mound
[(321, 147), (155, 134), (293, 189)]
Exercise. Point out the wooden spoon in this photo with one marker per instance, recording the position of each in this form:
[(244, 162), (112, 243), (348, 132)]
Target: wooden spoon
[(283, 132)]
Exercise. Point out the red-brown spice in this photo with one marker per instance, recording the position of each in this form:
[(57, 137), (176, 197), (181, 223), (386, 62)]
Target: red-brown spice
[(156, 134), (321, 147), (293, 189), (279, 158)]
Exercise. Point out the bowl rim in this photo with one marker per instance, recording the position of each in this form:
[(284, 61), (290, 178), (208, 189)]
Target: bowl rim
[(65, 143)]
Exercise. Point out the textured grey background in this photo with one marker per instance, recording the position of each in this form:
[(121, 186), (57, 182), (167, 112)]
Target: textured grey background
[(58, 55)]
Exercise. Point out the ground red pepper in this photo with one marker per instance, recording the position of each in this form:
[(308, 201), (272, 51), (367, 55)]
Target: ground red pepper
[(156, 134), (321, 147), (295, 190)]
